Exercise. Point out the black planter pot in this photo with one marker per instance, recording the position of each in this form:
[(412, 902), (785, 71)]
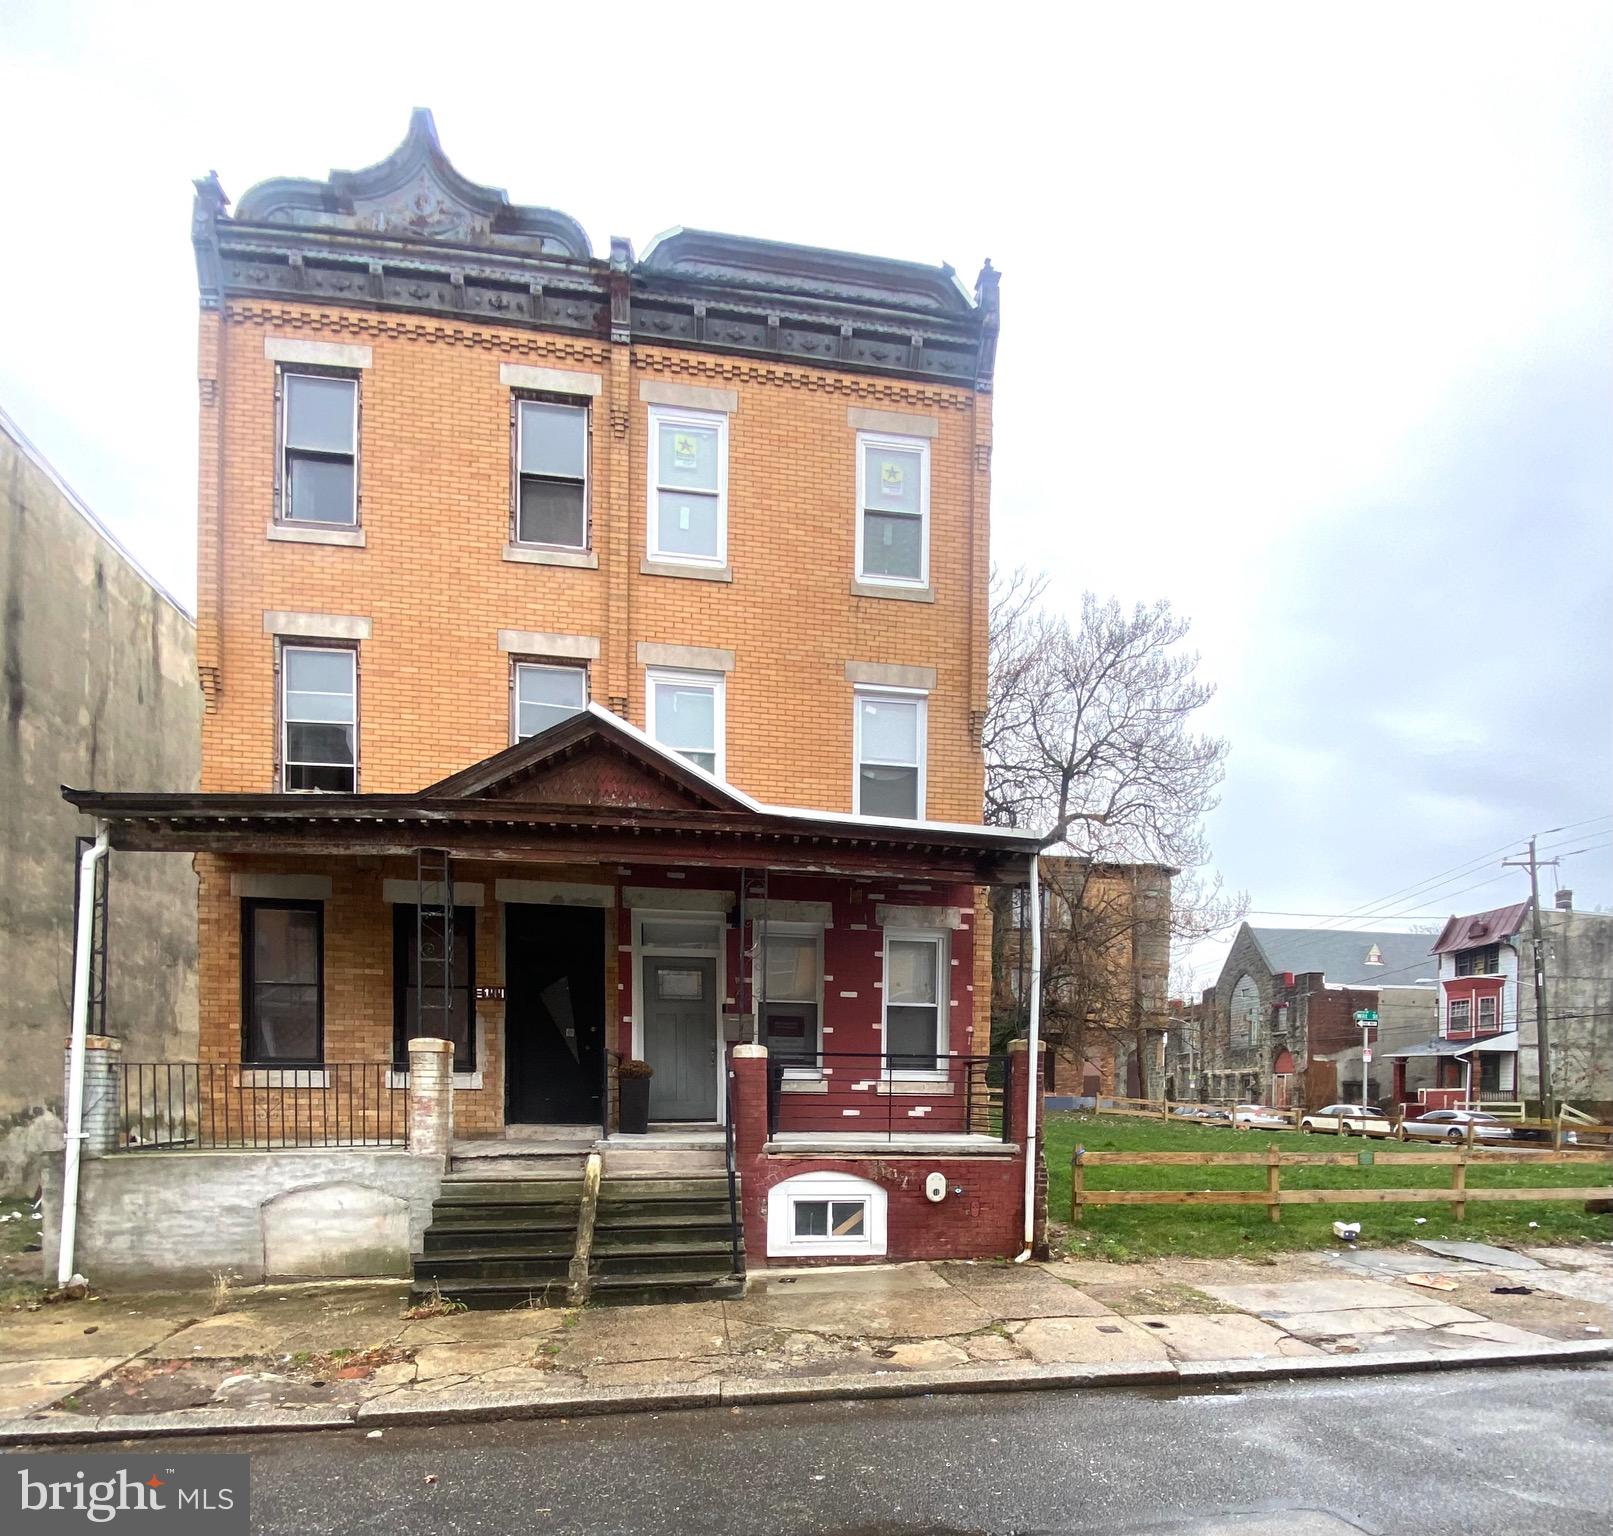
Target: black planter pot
[(634, 1105)]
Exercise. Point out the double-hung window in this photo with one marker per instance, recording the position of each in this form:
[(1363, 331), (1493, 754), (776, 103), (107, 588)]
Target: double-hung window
[(792, 988), (1487, 1013), (544, 695), (459, 1025), (318, 480), (1460, 1016), (282, 982), (893, 510), (914, 993), (688, 487), (684, 711), (889, 748), (319, 718), (551, 474)]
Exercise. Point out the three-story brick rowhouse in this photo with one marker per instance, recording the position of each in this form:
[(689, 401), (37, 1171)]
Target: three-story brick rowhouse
[(594, 656)]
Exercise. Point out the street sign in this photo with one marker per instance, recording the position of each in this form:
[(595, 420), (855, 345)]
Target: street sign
[(1366, 1054), (1366, 1015)]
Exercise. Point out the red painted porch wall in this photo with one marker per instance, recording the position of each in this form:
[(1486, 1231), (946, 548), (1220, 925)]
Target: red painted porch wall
[(853, 949), (986, 1221)]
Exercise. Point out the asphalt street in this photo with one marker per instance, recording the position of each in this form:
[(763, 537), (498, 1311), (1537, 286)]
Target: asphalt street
[(1460, 1452)]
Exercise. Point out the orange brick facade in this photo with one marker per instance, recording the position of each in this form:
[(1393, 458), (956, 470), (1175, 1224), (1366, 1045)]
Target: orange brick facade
[(428, 592), (434, 478)]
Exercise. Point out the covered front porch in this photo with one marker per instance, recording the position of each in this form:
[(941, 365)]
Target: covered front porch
[(567, 914), (1467, 1073)]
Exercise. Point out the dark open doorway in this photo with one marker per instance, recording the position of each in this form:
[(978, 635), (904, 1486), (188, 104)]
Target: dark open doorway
[(554, 1014)]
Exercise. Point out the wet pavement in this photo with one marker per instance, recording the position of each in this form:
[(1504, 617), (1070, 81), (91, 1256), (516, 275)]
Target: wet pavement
[(344, 1344)]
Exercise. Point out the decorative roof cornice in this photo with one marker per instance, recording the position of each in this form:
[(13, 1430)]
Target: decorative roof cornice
[(411, 233)]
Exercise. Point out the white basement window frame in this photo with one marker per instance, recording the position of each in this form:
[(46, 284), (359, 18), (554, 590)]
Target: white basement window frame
[(892, 506), (672, 483), (875, 756), (662, 724), (895, 940), (822, 1203)]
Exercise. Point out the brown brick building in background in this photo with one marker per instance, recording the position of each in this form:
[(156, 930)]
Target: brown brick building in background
[(1105, 968), (594, 656)]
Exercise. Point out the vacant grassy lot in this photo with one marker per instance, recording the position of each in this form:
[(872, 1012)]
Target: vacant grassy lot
[(1134, 1232)]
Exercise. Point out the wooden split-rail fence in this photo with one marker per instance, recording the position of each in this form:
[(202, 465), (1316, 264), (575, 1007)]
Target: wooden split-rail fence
[(1274, 1197)]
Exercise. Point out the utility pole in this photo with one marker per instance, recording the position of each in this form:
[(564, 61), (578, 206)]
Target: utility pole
[(1542, 1041)]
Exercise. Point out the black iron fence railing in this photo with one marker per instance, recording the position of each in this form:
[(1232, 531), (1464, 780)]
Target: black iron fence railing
[(889, 1096), (174, 1106)]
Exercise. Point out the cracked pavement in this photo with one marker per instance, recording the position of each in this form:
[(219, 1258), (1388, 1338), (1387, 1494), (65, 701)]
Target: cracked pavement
[(341, 1345)]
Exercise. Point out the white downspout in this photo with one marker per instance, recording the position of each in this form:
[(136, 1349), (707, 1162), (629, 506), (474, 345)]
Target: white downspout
[(1032, 1085), (75, 1061)]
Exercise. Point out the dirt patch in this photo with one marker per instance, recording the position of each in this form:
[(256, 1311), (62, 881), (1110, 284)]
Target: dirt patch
[(1165, 1296), (160, 1386)]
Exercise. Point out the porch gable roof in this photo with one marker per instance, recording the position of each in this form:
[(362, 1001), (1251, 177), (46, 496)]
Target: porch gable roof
[(592, 787)]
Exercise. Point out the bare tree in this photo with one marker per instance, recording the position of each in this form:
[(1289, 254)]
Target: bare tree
[(1089, 736)]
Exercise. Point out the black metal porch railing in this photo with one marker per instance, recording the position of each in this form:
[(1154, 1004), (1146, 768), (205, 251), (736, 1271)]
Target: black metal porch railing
[(889, 1096), (173, 1106)]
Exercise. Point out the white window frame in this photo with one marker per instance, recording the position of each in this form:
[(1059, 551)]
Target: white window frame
[(1479, 1021), (660, 416), (814, 931), (784, 1196), (718, 682), (1451, 1026), (920, 446), (893, 695), (938, 939), (285, 448), (538, 664), (580, 403), (284, 668)]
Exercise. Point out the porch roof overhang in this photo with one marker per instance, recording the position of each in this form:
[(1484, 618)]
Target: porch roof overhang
[(643, 805), (1504, 1044)]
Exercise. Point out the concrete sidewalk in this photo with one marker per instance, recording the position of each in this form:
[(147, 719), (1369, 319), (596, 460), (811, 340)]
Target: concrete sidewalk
[(339, 1354)]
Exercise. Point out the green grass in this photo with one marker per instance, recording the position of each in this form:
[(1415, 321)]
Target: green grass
[(1123, 1232)]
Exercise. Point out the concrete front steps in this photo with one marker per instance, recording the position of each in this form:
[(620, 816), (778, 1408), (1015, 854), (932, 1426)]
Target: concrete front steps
[(508, 1241), (499, 1241), (663, 1239)]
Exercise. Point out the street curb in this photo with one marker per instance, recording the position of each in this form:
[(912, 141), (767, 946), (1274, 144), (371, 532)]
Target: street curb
[(471, 1407)]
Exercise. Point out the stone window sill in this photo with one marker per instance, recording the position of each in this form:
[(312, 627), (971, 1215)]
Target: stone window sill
[(313, 533), (463, 1081), (805, 1083), (532, 554), (922, 1086), (648, 567), (894, 593)]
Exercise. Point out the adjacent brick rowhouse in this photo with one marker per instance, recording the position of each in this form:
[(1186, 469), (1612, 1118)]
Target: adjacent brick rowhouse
[(986, 1219)]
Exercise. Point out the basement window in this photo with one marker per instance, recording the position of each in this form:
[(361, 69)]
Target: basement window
[(824, 1214)]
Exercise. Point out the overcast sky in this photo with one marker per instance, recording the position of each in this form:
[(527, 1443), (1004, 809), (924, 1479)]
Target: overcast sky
[(1307, 325)]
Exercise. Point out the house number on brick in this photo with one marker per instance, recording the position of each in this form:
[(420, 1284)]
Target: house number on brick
[(490, 994)]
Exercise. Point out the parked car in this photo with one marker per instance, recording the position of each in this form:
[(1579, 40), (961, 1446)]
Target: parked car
[(1347, 1120), (1244, 1117), (1452, 1124)]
